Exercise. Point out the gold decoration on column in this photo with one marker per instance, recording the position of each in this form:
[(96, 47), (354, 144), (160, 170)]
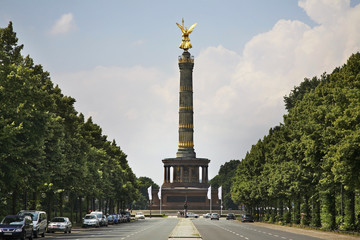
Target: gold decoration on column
[(186, 144), (185, 44)]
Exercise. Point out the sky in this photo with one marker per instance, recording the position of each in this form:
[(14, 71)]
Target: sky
[(118, 59)]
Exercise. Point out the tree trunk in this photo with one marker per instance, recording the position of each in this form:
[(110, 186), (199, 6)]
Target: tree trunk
[(297, 210), (61, 203), (34, 200), (87, 204), (72, 200), (14, 200), (328, 206), (281, 210), (25, 200), (50, 204), (305, 211), (349, 219), (80, 209)]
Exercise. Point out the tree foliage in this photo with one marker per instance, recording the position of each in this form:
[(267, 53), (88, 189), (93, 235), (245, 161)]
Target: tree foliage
[(51, 158), (307, 169), (224, 179)]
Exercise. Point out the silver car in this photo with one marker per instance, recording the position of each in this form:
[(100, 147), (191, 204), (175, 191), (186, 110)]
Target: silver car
[(139, 215), (39, 219), (60, 224), (90, 220), (214, 216)]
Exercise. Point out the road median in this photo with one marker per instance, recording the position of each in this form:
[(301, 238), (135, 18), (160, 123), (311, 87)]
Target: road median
[(185, 229)]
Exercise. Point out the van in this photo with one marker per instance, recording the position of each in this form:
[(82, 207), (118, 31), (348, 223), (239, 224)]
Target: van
[(39, 219)]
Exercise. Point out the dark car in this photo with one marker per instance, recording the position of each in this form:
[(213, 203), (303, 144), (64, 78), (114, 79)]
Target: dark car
[(247, 218), (230, 216), (15, 226), (116, 218), (110, 219), (127, 215)]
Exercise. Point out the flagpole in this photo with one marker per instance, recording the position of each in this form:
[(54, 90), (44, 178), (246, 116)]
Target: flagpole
[(159, 195), (160, 206), (221, 207)]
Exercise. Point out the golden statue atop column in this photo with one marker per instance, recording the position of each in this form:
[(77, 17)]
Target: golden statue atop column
[(185, 44)]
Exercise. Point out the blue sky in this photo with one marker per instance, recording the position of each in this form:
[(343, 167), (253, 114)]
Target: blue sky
[(118, 59)]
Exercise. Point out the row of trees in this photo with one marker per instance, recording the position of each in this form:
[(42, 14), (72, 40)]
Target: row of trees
[(51, 158), (143, 201), (224, 179), (307, 170)]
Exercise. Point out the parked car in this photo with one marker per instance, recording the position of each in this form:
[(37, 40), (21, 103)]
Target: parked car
[(230, 216), (39, 219), (139, 215), (60, 224), (214, 216), (191, 215), (116, 218), (101, 218), (206, 215), (247, 218), (15, 226), (110, 219), (105, 221), (90, 220), (119, 218), (123, 218), (127, 215)]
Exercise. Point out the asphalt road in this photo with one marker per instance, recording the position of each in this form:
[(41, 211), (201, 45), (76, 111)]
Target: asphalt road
[(147, 229), (230, 230), (160, 229)]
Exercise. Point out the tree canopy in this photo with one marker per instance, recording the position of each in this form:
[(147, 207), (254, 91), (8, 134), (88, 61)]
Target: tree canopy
[(306, 170), (51, 158)]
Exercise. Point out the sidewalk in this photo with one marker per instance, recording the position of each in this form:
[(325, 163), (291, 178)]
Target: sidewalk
[(312, 233), (185, 230)]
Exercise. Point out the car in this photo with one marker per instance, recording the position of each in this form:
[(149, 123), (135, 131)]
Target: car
[(100, 216), (116, 218), (110, 219), (119, 218), (123, 218), (39, 219), (139, 215), (127, 215), (214, 216), (105, 221), (206, 215), (247, 218), (16, 226), (60, 224), (90, 220), (191, 215), (230, 216)]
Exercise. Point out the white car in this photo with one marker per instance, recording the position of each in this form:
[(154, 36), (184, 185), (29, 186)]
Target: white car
[(90, 220), (206, 215), (61, 224), (191, 215), (214, 216), (139, 215)]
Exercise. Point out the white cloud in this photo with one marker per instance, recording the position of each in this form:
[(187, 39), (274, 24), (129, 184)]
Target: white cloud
[(241, 95), (64, 25), (237, 97), (325, 11)]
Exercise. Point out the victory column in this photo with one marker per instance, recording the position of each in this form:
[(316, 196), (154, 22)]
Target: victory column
[(182, 181)]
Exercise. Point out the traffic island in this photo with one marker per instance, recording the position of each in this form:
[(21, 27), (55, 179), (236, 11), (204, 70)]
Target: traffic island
[(185, 229)]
